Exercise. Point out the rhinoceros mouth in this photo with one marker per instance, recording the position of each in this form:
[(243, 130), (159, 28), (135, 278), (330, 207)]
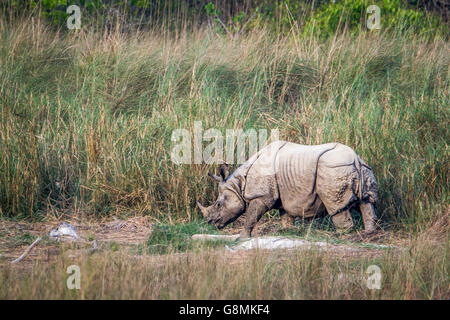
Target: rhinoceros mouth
[(219, 224)]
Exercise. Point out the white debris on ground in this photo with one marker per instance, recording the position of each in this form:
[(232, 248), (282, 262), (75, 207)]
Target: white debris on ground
[(215, 237), (266, 242), (65, 231), (278, 243), (274, 242)]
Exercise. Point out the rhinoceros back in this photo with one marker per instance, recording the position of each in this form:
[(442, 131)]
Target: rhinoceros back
[(330, 174)]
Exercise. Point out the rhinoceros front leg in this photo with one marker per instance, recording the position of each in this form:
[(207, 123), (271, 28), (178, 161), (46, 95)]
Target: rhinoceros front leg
[(369, 216), (254, 212)]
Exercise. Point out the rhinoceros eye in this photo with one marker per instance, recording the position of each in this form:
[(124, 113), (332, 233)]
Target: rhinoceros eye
[(218, 204)]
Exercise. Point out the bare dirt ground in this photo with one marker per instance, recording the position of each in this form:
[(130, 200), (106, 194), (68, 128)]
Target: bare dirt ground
[(15, 237)]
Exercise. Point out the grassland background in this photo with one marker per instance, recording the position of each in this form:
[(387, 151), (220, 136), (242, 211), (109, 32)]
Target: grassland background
[(87, 116)]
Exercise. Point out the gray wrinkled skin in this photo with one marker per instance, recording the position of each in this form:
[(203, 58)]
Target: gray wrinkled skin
[(298, 180)]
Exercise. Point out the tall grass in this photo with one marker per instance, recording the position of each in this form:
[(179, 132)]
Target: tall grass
[(86, 117), (418, 273)]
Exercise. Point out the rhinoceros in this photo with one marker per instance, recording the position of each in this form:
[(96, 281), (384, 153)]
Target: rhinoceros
[(298, 180)]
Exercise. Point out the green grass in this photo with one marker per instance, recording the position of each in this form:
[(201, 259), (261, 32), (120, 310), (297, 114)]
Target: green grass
[(22, 239), (86, 118), (170, 238)]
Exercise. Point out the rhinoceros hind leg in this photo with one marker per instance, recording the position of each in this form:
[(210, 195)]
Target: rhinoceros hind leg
[(369, 216), (342, 221)]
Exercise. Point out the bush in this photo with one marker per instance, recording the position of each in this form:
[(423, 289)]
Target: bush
[(321, 16), (351, 14)]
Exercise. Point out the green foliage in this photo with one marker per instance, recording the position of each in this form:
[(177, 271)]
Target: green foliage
[(320, 16), (211, 9), (395, 15)]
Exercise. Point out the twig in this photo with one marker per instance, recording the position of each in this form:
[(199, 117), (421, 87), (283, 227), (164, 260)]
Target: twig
[(245, 25), (224, 26), (27, 251)]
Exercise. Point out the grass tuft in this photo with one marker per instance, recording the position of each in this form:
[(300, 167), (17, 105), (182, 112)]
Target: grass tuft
[(166, 238)]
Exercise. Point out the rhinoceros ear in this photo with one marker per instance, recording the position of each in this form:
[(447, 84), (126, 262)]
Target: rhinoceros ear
[(224, 172), (215, 178)]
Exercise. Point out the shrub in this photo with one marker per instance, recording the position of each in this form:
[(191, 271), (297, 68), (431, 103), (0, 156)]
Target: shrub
[(351, 14)]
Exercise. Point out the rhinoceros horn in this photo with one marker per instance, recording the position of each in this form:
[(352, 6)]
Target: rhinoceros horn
[(202, 209)]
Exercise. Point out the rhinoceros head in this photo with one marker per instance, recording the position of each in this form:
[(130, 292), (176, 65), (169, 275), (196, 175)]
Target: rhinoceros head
[(229, 204)]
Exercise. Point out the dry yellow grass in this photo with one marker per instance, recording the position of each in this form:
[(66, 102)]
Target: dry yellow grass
[(418, 273)]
